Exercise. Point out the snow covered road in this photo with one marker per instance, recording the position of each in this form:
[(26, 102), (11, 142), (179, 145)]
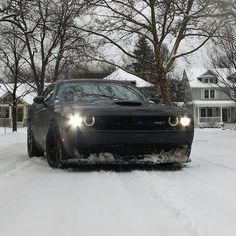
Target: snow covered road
[(200, 199)]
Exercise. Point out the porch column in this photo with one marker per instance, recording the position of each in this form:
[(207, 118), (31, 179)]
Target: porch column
[(10, 111), (221, 117), (10, 115), (25, 119), (198, 114), (24, 112)]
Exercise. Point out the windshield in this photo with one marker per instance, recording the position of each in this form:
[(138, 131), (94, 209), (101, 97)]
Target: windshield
[(75, 91)]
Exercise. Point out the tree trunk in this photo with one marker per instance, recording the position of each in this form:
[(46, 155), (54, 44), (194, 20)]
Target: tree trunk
[(56, 69), (40, 87), (14, 103), (165, 91), (14, 117)]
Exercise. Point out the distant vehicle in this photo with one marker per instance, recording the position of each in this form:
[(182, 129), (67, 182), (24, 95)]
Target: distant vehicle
[(75, 120)]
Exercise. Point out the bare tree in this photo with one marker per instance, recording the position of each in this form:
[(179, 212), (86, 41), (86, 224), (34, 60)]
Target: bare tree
[(45, 26), (5, 7), (184, 25), (223, 60), (12, 51)]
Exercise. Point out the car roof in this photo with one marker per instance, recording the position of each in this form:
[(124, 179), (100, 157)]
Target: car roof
[(93, 80)]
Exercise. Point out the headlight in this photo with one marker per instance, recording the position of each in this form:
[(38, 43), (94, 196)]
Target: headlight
[(185, 121), (75, 121), (173, 121), (89, 121)]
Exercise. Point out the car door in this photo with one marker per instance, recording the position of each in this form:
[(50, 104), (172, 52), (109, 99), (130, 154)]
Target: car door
[(43, 114)]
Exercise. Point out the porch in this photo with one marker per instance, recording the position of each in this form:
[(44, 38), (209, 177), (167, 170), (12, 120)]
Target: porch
[(6, 115), (214, 114)]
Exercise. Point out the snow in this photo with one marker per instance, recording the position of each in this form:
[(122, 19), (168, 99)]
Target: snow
[(211, 103), (199, 199), (221, 73), (122, 75)]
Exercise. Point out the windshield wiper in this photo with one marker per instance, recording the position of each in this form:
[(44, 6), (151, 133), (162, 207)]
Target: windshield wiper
[(100, 95)]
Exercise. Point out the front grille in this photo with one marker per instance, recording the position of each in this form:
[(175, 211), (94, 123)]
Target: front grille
[(131, 149), (132, 123)]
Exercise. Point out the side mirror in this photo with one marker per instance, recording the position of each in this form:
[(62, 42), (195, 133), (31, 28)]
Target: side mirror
[(154, 100), (39, 100)]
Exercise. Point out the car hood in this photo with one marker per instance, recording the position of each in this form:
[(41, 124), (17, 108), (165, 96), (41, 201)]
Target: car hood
[(117, 107)]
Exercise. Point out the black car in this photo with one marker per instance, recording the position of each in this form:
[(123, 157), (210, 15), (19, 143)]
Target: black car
[(101, 121)]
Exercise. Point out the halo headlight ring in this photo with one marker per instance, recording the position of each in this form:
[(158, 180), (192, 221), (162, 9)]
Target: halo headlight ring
[(89, 121), (173, 121)]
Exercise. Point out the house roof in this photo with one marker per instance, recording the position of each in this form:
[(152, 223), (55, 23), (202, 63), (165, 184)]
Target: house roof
[(122, 75), (24, 90), (208, 74), (195, 73)]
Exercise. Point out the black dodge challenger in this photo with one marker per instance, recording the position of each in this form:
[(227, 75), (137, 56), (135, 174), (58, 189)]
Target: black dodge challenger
[(100, 121)]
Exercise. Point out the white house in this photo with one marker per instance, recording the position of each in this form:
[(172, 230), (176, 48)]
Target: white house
[(211, 105), (25, 96)]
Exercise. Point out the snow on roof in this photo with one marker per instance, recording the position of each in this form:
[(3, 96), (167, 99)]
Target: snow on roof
[(200, 72), (207, 74), (24, 90), (214, 103), (122, 75)]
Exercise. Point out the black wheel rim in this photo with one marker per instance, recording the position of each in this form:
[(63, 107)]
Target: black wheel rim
[(53, 147), (29, 140)]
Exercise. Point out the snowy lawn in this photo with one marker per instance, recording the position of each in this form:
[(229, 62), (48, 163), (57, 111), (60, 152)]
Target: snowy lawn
[(36, 200)]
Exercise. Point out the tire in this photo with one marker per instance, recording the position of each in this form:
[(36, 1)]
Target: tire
[(33, 150), (189, 151), (54, 148)]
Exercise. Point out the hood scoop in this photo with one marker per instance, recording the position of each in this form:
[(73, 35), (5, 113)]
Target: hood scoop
[(128, 103)]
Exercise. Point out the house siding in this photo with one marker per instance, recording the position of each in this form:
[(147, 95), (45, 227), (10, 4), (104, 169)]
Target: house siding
[(5, 122), (196, 94)]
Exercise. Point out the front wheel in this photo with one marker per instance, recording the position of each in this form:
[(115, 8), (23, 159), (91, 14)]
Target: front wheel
[(54, 148), (33, 150), (189, 151)]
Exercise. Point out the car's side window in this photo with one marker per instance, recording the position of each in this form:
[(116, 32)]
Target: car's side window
[(49, 96), (48, 93)]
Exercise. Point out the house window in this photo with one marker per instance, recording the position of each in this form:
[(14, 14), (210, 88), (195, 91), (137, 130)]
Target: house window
[(203, 112), (209, 94), (20, 114), (210, 112), (4, 112), (211, 80), (206, 93), (212, 93)]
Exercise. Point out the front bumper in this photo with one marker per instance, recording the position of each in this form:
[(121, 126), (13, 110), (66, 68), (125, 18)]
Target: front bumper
[(126, 147), (177, 156)]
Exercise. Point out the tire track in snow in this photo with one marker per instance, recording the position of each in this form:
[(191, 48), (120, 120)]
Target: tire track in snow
[(14, 171), (13, 162), (12, 149), (159, 191), (153, 209), (12, 156), (16, 205), (217, 164)]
